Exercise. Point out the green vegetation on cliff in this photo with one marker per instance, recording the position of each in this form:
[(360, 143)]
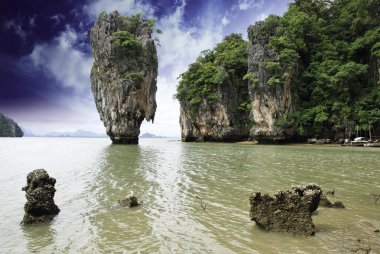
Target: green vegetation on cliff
[(332, 49), (8, 128), (327, 52), (226, 62)]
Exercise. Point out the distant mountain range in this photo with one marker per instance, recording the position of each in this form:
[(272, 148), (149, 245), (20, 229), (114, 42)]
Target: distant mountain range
[(82, 134), (76, 134), (150, 135)]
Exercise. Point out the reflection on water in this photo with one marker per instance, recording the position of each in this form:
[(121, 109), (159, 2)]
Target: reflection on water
[(168, 176), (38, 236)]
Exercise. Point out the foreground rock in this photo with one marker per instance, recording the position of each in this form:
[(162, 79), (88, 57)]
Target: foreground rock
[(40, 192), (124, 74), (9, 128), (130, 201), (288, 212)]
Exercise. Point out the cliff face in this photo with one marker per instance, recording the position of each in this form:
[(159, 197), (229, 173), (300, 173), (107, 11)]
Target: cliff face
[(221, 121), (124, 74), (269, 102), (213, 95), (9, 128)]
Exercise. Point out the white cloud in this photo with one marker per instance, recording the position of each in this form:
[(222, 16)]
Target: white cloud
[(71, 68), (180, 46), (61, 60), (57, 18), (225, 20), (249, 4), (16, 27), (124, 7), (261, 17), (32, 21)]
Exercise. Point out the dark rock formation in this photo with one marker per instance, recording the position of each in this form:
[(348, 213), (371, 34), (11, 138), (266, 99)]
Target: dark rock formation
[(269, 102), (9, 128), (124, 74), (288, 212), (326, 203), (40, 192), (354, 245), (130, 201)]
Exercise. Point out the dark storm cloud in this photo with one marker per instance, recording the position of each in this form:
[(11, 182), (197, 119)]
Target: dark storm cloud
[(23, 25), (45, 56)]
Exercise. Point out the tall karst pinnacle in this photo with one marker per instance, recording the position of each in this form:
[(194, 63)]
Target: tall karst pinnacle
[(124, 74)]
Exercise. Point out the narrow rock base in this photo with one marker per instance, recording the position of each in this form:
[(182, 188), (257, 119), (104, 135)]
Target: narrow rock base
[(125, 140)]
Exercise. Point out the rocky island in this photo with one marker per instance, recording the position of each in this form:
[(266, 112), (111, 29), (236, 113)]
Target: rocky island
[(9, 128), (312, 73), (124, 74)]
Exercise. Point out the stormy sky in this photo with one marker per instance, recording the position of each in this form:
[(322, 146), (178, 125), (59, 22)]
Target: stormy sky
[(45, 56)]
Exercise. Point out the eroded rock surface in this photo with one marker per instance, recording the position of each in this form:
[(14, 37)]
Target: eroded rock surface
[(124, 74), (213, 96), (289, 211), (40, 192), (269, 102), (130, 201), (219, 122)]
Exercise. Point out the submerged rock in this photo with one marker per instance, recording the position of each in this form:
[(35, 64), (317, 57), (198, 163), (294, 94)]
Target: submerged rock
[(355, 245), (130, 201), (124, 74), (288, 212), (326, 203), (40, 192)]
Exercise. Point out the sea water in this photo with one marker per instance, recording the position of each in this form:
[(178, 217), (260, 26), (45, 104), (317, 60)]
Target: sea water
[(171, 178)]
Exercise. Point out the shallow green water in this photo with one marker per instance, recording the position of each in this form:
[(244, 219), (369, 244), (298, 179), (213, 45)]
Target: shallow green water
[(168, 175)]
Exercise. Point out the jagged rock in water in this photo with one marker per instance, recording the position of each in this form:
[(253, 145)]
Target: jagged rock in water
[(269, 102), (130, 201), (9, 128), (288, 212), (326, 203), (40, 192), (213, 110), (124, 74)]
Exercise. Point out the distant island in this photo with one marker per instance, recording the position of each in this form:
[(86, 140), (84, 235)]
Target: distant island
[(9, 128), (74, 134), (83, 134), (150, 135)]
